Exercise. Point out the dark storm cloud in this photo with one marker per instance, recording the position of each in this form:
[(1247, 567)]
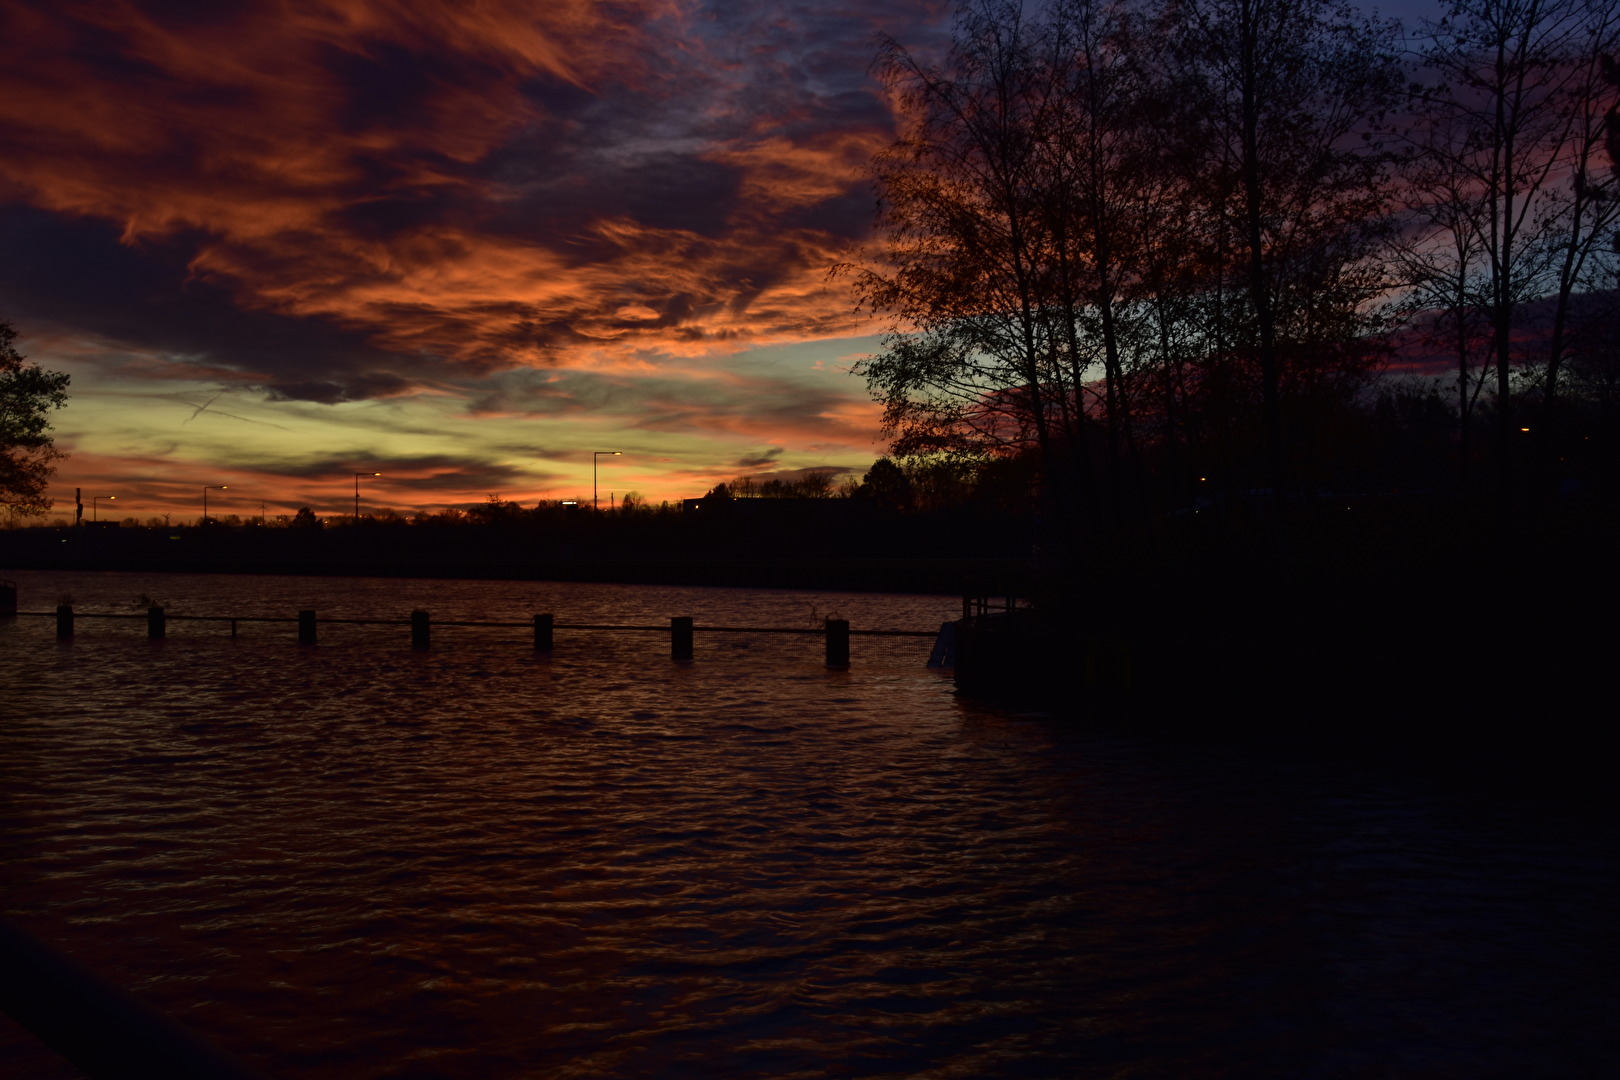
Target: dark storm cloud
[(795, 475), (370, 384), (407, 472), (750, 462), (77, 276)]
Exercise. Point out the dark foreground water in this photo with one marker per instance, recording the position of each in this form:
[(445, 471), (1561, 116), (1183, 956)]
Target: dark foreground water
[(358, 861)]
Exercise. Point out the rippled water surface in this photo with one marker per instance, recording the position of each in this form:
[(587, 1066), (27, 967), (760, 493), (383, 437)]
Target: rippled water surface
[(356, 860)]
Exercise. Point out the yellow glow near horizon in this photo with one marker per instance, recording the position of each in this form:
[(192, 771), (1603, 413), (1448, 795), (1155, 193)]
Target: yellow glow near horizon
[(157, 441)]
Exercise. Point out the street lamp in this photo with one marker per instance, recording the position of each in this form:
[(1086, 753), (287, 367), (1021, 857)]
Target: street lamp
[(357, 477), (206, 489), (595, 455), (93, 499)]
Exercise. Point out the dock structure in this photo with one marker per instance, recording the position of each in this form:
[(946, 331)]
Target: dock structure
[(1003, 650), (682, 629)]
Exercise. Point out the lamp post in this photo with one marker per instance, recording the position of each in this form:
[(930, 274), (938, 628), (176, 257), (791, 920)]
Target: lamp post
[(93, 498), (206, 489), (596, 455), (357, 477)]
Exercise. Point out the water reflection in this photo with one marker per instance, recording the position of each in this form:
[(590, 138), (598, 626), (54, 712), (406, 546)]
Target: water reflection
[(358, 861)]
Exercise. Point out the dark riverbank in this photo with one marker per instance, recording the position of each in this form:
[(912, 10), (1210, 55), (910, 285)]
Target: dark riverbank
[(1403, 632), (478, 554)]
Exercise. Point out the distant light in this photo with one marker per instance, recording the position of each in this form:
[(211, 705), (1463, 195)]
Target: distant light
[(1203, 479), (1524, 429)]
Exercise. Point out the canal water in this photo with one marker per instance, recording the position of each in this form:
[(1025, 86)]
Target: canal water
[(356, 860)]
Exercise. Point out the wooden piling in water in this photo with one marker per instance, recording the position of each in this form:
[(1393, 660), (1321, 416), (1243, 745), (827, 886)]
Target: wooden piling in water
[(837, 643), (8, 600), (682, 631), (680, 637)]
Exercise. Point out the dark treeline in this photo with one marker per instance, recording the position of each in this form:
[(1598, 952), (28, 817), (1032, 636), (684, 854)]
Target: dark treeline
[(878, 537), (1175, 253)]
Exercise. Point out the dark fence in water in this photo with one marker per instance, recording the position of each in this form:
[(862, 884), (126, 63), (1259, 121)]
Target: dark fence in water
[(681, 629)]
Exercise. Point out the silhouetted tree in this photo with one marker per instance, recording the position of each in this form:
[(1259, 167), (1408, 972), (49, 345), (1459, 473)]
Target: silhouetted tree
[(974, 365), (28, 393), (1509, 114), (1279, 102), (886, 487), (1440, 263), (497, 511), (815, 484), (305, 519), (1105, 224), (1586, 210)]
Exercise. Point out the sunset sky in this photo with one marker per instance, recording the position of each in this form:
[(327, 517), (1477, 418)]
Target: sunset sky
[(461, 244)]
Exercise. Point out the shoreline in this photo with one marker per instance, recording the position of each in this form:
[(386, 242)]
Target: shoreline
[(939, 577)]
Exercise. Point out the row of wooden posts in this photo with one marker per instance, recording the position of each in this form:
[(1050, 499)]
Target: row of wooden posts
[(681, 629)]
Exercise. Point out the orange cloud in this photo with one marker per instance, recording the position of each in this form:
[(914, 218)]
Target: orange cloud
[(782, 174), (246, 131)]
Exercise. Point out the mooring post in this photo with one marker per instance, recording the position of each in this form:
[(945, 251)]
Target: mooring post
[(542, 632), (8, 600), (64, 621), (306, 628), (419, 629), (967, 607), (680, 637), (155, 625), (837, 643)]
